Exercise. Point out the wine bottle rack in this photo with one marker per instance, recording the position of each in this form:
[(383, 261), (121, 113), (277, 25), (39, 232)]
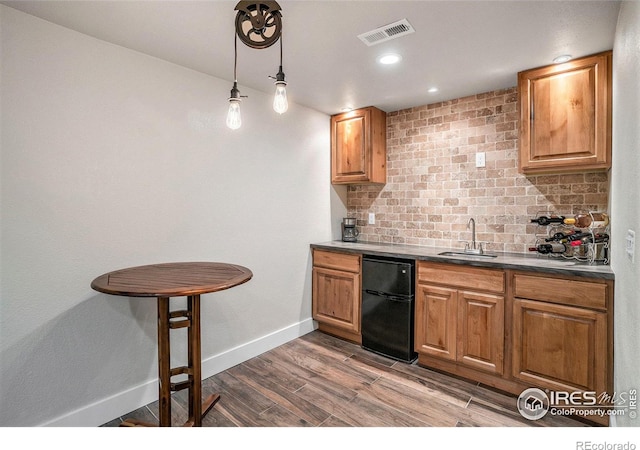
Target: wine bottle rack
[(589, 251)]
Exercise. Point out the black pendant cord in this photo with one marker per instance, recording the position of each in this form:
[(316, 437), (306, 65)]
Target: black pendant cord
[(280, 74), (281, 50), (235, 93), (235, 59)]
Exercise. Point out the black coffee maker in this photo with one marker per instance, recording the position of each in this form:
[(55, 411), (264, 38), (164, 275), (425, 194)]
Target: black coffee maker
[(349, 231)]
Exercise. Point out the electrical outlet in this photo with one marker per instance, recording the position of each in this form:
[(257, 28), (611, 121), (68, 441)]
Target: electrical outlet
[(372, 219), (631, 244), (480, 159)]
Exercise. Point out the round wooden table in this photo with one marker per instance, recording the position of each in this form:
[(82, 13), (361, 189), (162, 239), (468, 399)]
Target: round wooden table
[(163, 281)]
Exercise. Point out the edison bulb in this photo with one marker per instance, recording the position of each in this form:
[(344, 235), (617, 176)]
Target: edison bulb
[(234, 119), (280, 103)]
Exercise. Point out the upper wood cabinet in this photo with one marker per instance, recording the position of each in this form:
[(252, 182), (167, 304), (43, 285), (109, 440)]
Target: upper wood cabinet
[(359, 147), (565, 116)]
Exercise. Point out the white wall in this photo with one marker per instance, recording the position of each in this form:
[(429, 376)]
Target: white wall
[(625, 207), (110, 159)]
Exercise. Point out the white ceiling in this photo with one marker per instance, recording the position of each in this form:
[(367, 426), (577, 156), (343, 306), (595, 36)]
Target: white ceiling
[(461, 47)]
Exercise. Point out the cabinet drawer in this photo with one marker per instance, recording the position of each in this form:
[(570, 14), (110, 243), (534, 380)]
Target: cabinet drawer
[(563, 291), (475, 278), (338, 261)]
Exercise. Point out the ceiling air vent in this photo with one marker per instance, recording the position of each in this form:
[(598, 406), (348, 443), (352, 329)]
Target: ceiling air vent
[(387, 32)]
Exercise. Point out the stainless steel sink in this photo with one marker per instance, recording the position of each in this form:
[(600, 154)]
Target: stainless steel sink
[(468, 254)]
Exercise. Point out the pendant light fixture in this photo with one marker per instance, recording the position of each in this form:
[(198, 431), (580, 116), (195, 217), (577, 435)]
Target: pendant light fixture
[(280, 103), (234, 118), (258, 25)]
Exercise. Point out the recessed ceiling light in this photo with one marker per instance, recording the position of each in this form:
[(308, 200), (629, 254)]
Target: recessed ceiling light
[(562, 59), (390, 58), (346, 109), (432, 90)]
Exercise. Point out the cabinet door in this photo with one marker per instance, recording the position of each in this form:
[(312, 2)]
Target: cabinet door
[(358, 147), (481, 331), (559, 347), (336, 298), (435, 321), (350, 144), (566, 116)]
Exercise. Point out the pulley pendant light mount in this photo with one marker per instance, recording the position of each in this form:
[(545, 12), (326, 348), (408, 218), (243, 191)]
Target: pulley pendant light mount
[(258, 25)]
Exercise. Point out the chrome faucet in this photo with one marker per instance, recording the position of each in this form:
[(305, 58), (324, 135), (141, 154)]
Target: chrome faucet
[(472, 224), (477, 249)]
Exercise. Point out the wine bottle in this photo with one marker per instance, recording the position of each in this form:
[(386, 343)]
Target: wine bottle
[(590, 220), (555, 247), (561, 236), (579, 236), (544, 220), (591, 239), (604, 237)]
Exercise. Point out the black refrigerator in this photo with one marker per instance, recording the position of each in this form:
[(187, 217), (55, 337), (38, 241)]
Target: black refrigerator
[(388, 297)]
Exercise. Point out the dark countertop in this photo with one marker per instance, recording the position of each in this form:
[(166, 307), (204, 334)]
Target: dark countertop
[(533, 263)]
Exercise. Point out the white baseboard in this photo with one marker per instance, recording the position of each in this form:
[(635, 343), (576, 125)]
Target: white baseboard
[(105, 410)]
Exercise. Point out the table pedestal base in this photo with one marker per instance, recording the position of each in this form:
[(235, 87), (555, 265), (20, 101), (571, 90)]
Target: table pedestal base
[(207, 405), (168, 320)]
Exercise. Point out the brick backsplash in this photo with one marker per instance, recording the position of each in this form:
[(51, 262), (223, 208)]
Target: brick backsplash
[(433, 186)]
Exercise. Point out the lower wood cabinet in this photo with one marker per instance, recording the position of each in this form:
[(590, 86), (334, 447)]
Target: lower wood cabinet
[(336, 298), (559, 347), (561, 336), (455, 323), (514, 329)]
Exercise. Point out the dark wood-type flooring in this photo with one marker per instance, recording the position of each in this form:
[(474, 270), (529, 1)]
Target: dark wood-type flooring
[(320, 381)]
